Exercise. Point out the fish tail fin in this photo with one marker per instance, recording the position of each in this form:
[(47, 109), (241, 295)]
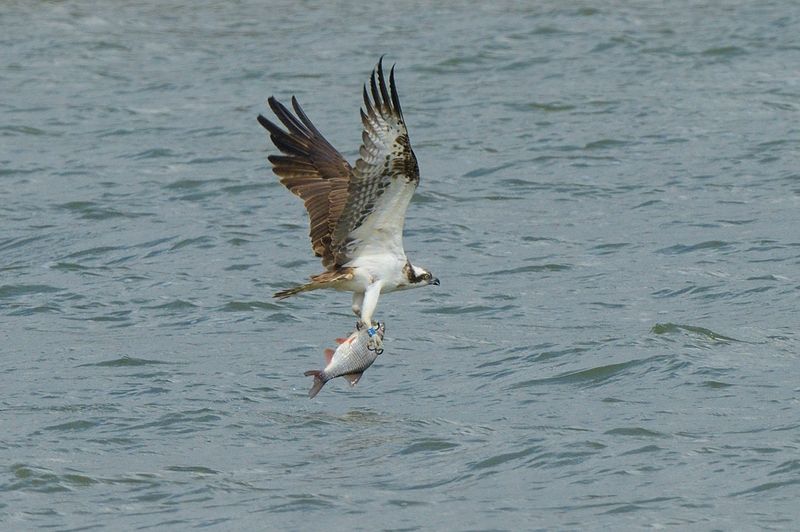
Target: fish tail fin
[(319, 382)]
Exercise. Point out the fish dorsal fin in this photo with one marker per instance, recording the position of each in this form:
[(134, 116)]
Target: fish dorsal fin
[(341, 340), (328, 355), (353, 378)]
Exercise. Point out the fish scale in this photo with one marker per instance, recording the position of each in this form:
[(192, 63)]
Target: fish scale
[(350, 360)]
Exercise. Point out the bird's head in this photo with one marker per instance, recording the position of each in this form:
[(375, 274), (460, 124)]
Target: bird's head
[(419, 276)]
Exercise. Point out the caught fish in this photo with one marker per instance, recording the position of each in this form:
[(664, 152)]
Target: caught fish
[(350, 360)]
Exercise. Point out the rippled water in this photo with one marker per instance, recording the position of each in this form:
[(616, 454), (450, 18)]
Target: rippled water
[(610, 197)]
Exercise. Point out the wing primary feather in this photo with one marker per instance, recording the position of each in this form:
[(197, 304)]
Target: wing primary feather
[(283, 141), (286, 117), (288, 144), (269, 125), (264, 122), (375, 94), (382, 83), (367, 103), (395, 97), (303, 118), (311, 168)]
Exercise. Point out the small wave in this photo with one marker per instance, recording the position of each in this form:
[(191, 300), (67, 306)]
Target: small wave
[(502, 458), (90, 210), (12, 243), (607, 249), (547, 107), (404, 503), (78, 425), (115, 316), (692, 289), (185, 184), (724, 51), (766, 486), (791, 466), (466, 309), (683, 248), (14, 290), (24, 130), (153, 154), (531, 268), (244, 189), (75, 267), (239, 267), (177, 304), (635, 431), (201, 242), (123, 362), (591, 376), (93, 252), (43, 480), (212, 160), (671, 328), (715, 385), (40, 309), (607, 143), (641, 450), (200, 470), (249, 306), (486, 171), (303, 502), (429, 445)]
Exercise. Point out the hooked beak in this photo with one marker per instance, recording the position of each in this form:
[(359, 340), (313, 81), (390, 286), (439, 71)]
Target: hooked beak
[(434, 281)]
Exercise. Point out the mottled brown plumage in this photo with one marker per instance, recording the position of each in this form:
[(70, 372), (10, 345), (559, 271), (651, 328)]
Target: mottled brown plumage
[(311, 169), (386, 157), (356, 213), (337, 197)]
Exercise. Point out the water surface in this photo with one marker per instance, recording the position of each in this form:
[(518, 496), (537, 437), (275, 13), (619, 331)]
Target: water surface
[(610, 197)]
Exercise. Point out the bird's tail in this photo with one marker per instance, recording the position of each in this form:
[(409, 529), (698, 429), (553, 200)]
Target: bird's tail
[(283, 294), (319, 382), (328, 279)]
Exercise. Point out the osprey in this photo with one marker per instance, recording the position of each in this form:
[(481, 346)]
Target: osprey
[(356, 213)]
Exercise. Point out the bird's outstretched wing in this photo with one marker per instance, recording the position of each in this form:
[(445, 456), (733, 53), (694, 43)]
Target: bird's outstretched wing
[(384, 179), (312, 169)]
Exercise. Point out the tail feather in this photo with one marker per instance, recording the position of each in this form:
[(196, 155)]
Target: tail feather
[(283, 294), (319, 382), (329, 279)]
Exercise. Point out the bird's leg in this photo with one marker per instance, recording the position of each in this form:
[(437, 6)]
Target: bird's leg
[(358, 301), (369, 302)]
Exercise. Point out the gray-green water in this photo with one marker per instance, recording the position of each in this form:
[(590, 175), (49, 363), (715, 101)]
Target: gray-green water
[(610, 196)]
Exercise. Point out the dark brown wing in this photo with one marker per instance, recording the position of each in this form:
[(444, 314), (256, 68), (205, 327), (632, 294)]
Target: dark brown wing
[(313, 170)]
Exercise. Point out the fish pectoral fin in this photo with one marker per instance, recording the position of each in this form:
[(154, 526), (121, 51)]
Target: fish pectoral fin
[(328, 355), (341, 340), (353, 378)]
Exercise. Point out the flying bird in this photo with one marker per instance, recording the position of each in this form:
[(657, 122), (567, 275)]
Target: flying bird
[(356, 213)]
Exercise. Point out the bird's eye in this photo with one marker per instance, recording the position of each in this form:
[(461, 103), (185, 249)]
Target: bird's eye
[(426, 277)]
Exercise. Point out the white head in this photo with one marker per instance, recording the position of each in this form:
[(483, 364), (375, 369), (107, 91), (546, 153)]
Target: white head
[(417, 276)]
